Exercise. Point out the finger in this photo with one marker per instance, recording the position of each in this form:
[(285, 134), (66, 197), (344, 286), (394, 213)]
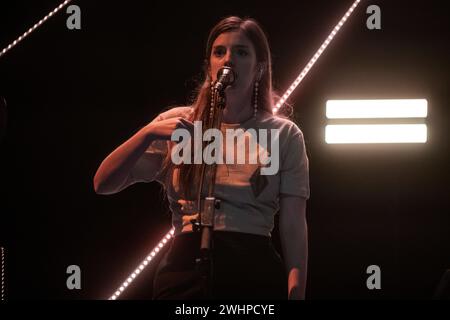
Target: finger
[(187, 122), (189, 126), (179, 123)]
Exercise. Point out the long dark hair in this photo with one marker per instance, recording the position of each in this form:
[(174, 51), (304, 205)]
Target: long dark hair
[(189, 174)]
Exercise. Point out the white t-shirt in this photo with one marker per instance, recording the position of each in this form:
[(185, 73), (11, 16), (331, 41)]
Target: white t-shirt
[(249, 200)]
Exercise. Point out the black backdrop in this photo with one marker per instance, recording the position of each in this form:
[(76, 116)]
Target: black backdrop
[(73, 96)]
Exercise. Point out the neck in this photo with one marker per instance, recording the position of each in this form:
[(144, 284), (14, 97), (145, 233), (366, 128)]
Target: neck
[(237, 109)]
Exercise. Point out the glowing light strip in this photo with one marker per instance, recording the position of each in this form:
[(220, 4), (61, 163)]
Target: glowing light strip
[(315, 57), (376, 133), (38, 24), (143, 264), (3, 274), (381, 108)]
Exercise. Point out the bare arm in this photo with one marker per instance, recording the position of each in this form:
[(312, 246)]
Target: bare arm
[(294, 243), (114, 172)]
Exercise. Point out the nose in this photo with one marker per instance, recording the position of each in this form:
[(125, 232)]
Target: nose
[(229, 59)]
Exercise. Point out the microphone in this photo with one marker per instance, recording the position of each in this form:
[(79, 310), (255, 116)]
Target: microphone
[(225, 77)]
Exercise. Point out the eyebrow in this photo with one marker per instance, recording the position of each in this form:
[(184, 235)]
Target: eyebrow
[(236, 46)]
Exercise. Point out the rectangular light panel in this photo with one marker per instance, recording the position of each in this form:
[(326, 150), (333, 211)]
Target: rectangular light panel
[(337, 131), (382, 108), (376, 133)]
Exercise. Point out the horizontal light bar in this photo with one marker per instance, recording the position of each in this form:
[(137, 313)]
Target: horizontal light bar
[(376, 133), (381, 108)]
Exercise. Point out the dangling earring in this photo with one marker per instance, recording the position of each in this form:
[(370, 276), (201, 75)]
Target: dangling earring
[(255, 92), (255, 98), (212, 101)]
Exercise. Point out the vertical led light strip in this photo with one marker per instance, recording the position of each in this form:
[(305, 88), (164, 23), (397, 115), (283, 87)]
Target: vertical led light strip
[(3, 273), (143, 264), (316, 56), (411, 111), (38, 24)]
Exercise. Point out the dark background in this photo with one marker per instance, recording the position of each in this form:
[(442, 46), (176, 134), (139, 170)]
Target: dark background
[(75, 95)]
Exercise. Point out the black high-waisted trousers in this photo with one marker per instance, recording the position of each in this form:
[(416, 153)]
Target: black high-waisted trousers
[(245, 266)]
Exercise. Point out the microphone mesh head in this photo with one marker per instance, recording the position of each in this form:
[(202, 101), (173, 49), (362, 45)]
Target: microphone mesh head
[(225, 77)]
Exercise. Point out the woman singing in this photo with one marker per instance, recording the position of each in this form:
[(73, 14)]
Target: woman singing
[(245, 263)]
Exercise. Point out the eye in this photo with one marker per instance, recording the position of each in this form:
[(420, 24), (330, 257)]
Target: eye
[(218, 52), (243, 52)]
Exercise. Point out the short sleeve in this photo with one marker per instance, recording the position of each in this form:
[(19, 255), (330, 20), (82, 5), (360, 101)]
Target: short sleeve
[(149, 165), (294, 168)]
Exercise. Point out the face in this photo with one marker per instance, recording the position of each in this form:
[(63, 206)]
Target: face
[(235, 50)]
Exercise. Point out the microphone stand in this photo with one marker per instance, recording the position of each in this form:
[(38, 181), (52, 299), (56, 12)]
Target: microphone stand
[(210, 203)]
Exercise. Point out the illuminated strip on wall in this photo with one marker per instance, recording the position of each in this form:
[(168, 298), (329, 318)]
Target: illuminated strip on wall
[(3, 273), (38, 24), (143, 264), (376, 133), (316, 56), (381, 108), (390, 110)]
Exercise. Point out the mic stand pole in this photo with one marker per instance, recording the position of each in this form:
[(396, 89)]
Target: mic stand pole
[(210, 203)]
